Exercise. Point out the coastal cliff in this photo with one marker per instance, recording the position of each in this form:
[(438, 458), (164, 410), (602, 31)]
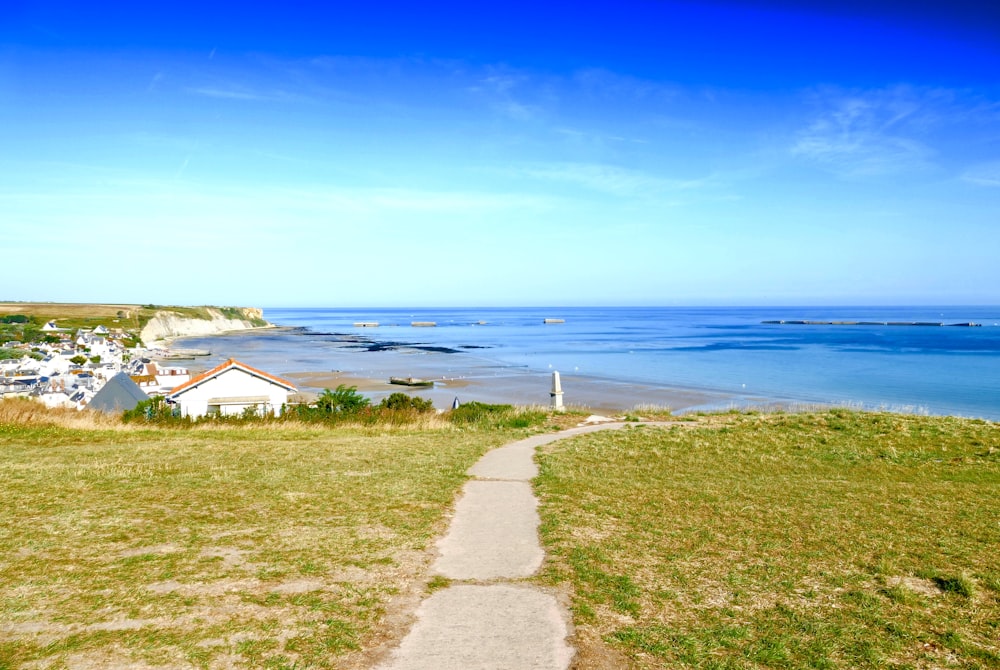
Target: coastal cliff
[(166, 325)]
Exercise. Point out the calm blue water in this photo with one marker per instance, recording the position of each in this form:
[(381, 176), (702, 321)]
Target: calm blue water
[(948, 370)]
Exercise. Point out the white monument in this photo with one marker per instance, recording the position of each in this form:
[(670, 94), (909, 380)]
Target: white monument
[(556, 393)]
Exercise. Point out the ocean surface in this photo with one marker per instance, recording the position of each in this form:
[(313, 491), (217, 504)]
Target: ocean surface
[(730, 351)]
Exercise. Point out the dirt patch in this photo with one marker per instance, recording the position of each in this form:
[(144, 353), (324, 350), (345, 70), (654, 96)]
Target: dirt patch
[(126, 624), (153, 549), (111, 659), (231, 556), (214, 588), (593, 653), (298, 586), (924, 587)]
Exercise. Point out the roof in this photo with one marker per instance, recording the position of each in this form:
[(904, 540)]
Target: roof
[(119, 394), (230, 364)]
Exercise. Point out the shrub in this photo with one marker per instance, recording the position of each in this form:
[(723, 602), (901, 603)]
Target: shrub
[(401, 401), (154, 410), (345, 400)]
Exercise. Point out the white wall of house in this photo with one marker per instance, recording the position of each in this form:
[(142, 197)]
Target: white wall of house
[(230, 393), (56, 399), (169, 378), (58, 365)]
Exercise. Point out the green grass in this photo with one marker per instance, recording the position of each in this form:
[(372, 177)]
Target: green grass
[(274, 547), (830, 540)]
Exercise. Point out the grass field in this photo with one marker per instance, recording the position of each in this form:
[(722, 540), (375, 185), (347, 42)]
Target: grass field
[(829, 540), (274, 547), (826, 540)]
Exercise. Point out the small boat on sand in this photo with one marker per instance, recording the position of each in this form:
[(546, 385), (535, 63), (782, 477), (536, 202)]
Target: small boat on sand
[(411, 381)]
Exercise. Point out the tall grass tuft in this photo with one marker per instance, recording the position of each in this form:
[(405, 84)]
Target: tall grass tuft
[(486, 416), (27, 412)]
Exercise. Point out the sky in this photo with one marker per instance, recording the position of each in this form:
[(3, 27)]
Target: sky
[(500, 153)]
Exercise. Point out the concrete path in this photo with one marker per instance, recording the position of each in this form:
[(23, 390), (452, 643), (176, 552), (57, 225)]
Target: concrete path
[(483, 623)]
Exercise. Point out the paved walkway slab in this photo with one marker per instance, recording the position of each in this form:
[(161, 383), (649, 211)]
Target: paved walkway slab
[(493, 535), (517, 460), (471, 627)]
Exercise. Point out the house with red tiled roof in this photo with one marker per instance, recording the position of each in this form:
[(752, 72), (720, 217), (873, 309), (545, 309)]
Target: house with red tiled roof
[(231, 389)]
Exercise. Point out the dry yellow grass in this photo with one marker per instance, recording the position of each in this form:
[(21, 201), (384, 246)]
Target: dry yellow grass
[(276, 545), (27, 412)]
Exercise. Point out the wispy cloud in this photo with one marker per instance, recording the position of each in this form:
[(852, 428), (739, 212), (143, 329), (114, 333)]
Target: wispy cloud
[(236, 92), (180, 170), (227, 93), (607, 84), (507, 94), (984, 174), (610, 179), (903, 130), (597, 137), (869, 134), (154, 82)]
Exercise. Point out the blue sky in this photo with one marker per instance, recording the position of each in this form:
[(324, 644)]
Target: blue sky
[(644, 153)]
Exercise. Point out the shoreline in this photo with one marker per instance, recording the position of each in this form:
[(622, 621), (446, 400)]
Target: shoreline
[(462, 375), (529, 389), (317, 359), (167, 343)]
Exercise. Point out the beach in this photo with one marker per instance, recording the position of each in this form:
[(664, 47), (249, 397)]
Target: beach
[(455, 375), (527, 389), (612, 360)]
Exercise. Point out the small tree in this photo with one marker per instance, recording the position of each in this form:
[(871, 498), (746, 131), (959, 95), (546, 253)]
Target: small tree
[(344, 400), (79, 359)]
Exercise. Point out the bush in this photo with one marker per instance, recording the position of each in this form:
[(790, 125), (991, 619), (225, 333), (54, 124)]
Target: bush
[(155, 410), (402, 402)]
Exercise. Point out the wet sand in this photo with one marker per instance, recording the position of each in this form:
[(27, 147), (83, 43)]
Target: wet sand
[(525, 389), (314, 362)]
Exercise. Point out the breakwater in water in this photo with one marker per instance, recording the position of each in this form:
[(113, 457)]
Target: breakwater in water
[(936, 324)]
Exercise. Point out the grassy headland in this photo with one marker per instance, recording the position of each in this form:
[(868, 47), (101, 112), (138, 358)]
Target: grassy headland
[(131, 318), (827, 540), (275, 545)]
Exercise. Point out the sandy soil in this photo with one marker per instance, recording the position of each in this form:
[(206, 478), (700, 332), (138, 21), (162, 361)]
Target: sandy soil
[(465, 376), (522, 389)]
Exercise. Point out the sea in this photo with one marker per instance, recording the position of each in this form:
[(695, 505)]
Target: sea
[(740, 355)]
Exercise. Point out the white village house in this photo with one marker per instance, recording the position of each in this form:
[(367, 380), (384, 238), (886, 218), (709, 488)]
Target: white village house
[(230, 389)]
